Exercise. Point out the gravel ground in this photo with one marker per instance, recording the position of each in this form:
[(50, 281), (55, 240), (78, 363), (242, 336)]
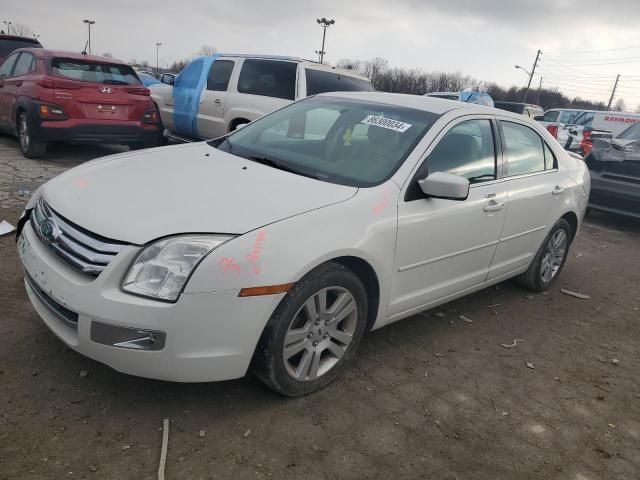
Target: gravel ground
[(431, 397)]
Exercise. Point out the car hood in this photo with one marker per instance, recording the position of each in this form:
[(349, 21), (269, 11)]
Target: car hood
[(193, 188)]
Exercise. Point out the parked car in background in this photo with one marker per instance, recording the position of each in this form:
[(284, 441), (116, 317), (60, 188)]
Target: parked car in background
[(527, 109), (478, 98), (615, 173), (9, 43), (198, 269), (577, 129), (148, 80), (53, 96), (214, 95)]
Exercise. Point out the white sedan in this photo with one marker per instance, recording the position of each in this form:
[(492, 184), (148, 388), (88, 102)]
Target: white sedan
[(276, 247)]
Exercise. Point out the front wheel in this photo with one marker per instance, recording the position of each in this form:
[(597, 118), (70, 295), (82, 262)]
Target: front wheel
[(29, 145), (548, 262), (313, 332)]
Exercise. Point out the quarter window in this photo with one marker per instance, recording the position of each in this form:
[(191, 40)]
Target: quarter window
[(219, 75), (23, 65), (524, 149), (466, 150), (549, 158), (5, 69), (269, 78)]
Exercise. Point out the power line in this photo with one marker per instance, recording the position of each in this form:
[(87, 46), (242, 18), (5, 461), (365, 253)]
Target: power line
[(572, 52)]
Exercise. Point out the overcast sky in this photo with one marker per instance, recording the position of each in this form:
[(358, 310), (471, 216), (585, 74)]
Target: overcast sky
[(484, 39)]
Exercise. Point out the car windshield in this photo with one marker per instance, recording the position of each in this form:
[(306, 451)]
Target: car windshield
[(631, 133), (109, 73), (338, 140), (320, 81)]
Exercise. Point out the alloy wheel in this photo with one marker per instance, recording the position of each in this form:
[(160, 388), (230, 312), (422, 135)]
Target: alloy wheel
[(554, 255), (23, 133), (320, 333)]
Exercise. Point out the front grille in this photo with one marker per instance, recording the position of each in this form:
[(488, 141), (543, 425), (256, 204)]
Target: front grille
[(83, 250), (69, 318)]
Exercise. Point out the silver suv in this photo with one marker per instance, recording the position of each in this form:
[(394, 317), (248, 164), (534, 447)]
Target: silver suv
[(215, 95)]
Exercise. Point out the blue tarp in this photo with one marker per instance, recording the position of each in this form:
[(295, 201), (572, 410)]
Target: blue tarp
[(187, 90)]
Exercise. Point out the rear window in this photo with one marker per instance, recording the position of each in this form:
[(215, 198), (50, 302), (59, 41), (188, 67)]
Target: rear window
[(269, 78), (109, 73), (510, 107), (319, 81), (8, 46)]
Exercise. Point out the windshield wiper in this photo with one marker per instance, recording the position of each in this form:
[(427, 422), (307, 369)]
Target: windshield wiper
[(280, 166)]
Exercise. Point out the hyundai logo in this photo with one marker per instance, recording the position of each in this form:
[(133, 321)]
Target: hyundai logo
[(49, 229), (106, 90)]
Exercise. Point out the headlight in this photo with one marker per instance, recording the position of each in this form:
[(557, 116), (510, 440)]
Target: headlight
[(162, 269)]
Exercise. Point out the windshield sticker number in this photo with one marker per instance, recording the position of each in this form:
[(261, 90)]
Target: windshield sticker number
[(387, 123)]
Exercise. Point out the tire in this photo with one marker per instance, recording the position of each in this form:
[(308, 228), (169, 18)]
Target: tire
[(549, 261), (237, 125), (322, 347), (29, 145)]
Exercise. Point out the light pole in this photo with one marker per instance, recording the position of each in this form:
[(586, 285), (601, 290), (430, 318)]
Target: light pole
[(523, 69), (158, 44), (324, 23), (8, 24), (533, 71), (89, 23)]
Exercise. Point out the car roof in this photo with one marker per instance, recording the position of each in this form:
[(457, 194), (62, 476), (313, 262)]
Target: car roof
[(435, 105), (33, 40), (47, 53)]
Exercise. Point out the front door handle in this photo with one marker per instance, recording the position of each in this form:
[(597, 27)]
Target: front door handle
[(493, 206), (558, 190)]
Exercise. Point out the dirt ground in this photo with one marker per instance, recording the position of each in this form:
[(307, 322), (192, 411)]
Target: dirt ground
[(430, 397)]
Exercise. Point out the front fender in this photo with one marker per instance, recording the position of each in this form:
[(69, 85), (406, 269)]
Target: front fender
[(364, 226)]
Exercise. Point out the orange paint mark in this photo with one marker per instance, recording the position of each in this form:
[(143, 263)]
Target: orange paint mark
[(382, 205), (80, 183), (254, 256), (228, 264)]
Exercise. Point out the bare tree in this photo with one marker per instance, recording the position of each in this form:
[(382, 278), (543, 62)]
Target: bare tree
[(620, 106), (107, 54), (208, 51), (21, 29)]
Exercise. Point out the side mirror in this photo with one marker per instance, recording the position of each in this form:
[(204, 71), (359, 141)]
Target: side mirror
[(445, 185), (168, 79), (539, 118)]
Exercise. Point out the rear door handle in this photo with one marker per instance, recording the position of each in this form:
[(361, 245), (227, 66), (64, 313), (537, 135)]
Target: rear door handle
[(558, 190), (217, 101), (493, 206)]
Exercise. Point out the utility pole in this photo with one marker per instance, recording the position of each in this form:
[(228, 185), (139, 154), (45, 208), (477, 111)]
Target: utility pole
[(533, 71), (615, 85), (324, 23), (539, 89), (158, 44), (89, 23), (8, 24)]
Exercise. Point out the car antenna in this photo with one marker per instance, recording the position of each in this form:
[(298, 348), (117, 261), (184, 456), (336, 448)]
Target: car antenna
[(84, 52)]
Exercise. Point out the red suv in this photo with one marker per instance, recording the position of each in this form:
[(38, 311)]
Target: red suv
[(49, 96)]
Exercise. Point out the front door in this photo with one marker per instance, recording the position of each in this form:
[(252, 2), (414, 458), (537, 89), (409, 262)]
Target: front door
[(445, 247), (211, 122), (186, 98)]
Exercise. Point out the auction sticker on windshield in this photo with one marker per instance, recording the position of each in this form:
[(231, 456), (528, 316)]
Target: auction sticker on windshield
[(388, 123)]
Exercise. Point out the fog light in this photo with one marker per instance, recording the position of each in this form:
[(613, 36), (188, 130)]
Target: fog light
[(126, 337)]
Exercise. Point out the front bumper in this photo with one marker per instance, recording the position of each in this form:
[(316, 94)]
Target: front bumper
[(207, 336), (615, 194)]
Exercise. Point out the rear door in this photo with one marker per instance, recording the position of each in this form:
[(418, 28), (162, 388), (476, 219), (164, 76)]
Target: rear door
[(535, 202), (211, 123), (25, 64), (98, 92)]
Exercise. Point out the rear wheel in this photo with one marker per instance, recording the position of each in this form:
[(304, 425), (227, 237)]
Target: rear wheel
[(30, 146), (548, 262), (314, 331)]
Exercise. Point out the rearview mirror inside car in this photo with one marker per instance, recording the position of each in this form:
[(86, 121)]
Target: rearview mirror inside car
[(445, 185)]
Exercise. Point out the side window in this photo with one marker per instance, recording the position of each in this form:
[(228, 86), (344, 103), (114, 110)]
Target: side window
[(466, 150), (219, 75), (551, 116), (5, 69), (524, 149), (549, 158), (269, 78), (23, 65)]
